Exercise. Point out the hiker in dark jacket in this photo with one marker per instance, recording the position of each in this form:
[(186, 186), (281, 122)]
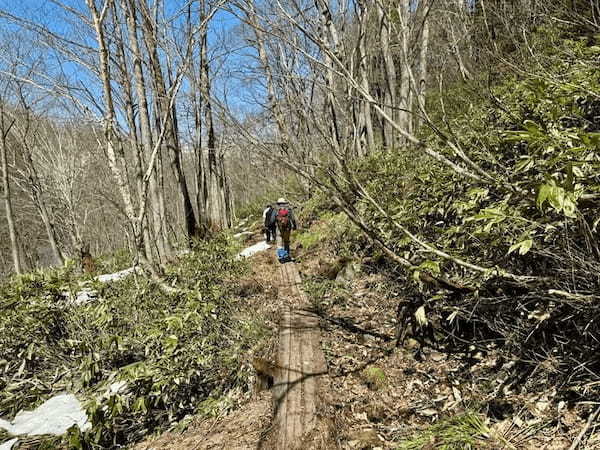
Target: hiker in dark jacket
[(270, 230), (282, 216)]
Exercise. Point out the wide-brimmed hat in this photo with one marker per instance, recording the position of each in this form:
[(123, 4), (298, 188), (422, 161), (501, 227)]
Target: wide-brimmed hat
[(281, 200)]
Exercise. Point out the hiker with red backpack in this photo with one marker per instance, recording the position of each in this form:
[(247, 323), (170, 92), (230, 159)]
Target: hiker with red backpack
[(282, 216)]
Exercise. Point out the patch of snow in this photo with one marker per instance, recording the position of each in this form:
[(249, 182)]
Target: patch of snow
[(115, 276), (8, 445), (261, 246), (82, 297), (118, 386), (85, 295), (243, 233), (54, 416)]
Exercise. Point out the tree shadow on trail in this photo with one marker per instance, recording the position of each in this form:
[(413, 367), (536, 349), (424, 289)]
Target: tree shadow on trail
[(348, 325), (282, 386)]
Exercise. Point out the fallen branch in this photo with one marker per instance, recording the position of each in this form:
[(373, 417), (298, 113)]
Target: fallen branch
[(430, 248), (569, 295), (580, 436)]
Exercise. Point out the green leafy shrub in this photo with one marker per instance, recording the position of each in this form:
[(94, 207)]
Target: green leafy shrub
[(141, 358), (534, 141), (119, 260)]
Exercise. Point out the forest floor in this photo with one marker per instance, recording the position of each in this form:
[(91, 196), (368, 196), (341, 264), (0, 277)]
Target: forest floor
[(379, 396)]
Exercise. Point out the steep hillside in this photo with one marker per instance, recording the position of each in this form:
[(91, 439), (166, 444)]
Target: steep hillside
[(496, 306), (141, 356)]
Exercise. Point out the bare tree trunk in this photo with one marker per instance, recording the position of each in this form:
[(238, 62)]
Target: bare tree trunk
[(455, 48), (215, 207), (404, 116), (230, 204), (198, 155), (12, 233), (284, 137), (35, 183), (50, 229), (423, 53), (212, 188), (331, 36), (159, 196), (191, 223), (390, 96), (197, 80), (172, 140), (365, 114), (36, 193), (226, 205), (145, 131), (149, 228), (116, 159)]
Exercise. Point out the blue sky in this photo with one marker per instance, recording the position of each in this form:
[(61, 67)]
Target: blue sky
[(224, 28)]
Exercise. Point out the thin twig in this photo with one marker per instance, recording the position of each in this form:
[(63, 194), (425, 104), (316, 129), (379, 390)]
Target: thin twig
[(578, 439)]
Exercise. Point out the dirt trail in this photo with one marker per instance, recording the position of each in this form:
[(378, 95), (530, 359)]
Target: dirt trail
[(302, 378), (290, 416)]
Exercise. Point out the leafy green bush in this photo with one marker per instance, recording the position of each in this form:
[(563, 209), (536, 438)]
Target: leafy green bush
[(374, 377), (538, 141), (141, 358), (534, 142)]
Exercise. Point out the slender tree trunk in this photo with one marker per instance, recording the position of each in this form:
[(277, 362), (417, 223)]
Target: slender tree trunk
[(116, 160), (12, 233), (45, 216), (191, 223), (198, 155), (331, 36), (366, 118), (390, 96), (212, 191), (140, 147), (37, 196), (285, 138), (404, 115), (145, 131), (423, 53), (215, 208), (226, 205), (50, 231), (456, 52), (172, 140)]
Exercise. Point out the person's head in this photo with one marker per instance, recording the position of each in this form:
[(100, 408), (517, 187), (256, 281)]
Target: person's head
[(281, 201)]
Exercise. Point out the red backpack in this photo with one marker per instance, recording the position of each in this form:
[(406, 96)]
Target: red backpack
[(283, 219)]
